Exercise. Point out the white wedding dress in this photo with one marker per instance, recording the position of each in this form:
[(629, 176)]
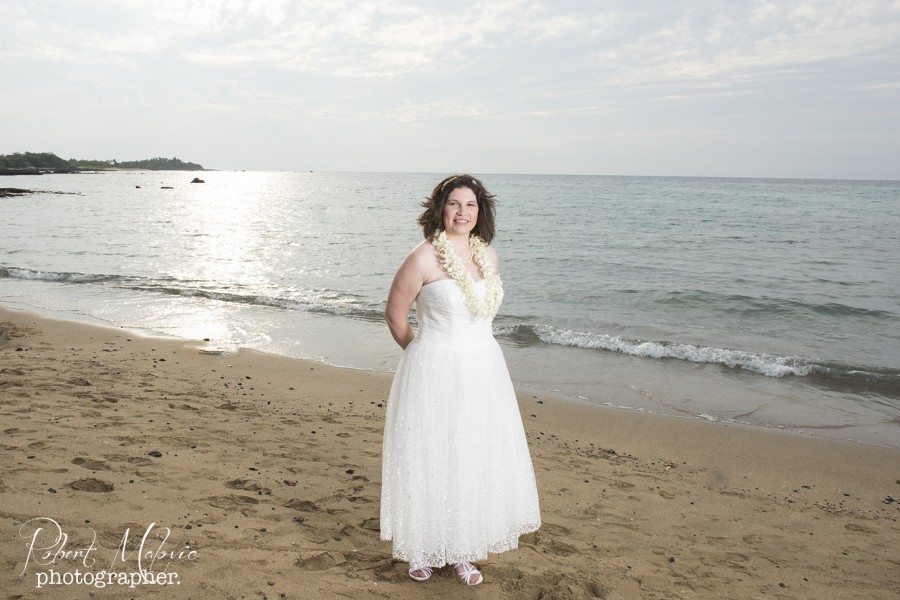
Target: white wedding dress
[(457, 478)]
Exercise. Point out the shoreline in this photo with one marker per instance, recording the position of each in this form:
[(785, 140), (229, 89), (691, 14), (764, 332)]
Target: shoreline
[(626, 391), (268, 467)]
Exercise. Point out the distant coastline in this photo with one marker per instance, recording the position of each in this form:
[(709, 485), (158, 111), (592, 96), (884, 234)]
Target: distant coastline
[(40, 163)]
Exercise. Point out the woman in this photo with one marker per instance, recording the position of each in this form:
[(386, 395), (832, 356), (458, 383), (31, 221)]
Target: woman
[(457, 479)]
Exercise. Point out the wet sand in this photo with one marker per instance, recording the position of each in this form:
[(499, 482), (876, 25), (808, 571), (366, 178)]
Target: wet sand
[(254, 476)]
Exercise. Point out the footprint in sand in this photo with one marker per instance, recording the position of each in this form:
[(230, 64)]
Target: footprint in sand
[(554, 529), (89, 464), (321, 562), (302, 505), (559, 548), (16, 430), (91, 484), (391, 571), (247, 485), (141, 461), (860, 528), (549, 585), (622, 485), (241, 504)]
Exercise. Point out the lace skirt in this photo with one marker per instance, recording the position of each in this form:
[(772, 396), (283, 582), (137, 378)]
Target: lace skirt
[(457, 478)]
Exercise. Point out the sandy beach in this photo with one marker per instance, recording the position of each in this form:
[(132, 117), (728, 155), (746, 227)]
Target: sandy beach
[(248, 475)]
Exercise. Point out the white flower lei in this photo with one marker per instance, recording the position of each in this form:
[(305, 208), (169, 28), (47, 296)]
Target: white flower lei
[(493, 295)]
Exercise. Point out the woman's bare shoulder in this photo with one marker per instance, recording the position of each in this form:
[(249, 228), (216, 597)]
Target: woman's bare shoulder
[(424, 252), (424, 261)]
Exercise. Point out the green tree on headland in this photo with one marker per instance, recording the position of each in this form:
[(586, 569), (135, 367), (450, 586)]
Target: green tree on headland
[(160, 164), (47, 162), (33, 160)]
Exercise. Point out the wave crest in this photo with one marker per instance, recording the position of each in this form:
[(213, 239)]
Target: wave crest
[(763, 363)]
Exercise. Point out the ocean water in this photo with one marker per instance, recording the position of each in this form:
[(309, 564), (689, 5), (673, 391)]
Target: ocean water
[(773, 303)]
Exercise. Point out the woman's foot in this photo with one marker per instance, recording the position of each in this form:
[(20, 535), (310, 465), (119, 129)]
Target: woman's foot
[(468, 573), (420, 574)]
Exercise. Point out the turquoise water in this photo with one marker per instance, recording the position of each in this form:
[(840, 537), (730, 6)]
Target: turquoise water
[(768, 302)]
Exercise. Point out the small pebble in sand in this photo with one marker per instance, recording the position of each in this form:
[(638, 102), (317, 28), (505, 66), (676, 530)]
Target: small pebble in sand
[(155, 453)]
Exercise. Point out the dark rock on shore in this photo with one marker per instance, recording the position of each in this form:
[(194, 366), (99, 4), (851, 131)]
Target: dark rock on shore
[(5, 192), (197, 180), (11, 192)]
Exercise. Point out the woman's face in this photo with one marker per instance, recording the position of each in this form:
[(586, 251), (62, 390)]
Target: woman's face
[(460, 212)]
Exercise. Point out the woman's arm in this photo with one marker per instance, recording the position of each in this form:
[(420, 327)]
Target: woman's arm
[(406, 285)]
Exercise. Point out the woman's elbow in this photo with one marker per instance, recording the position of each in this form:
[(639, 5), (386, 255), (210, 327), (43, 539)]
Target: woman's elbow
[(394, 318)]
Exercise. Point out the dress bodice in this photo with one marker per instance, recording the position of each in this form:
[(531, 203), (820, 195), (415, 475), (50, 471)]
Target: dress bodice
[(444, 317)]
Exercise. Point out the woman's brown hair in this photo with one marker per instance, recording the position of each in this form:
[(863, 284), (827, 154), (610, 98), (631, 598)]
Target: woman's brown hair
[(432, 219)]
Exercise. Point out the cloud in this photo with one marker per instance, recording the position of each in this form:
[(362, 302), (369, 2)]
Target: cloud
[(391, 39), (365, 40), (735, 46), (517, 70)]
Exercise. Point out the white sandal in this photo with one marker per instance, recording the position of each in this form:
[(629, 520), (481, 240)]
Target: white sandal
[(425, 573), (465, 571)]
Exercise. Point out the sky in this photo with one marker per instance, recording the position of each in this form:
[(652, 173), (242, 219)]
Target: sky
[(787, 88)]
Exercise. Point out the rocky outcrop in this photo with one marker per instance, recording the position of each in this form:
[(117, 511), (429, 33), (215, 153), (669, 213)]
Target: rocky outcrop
[(14, 192), (6, 192)]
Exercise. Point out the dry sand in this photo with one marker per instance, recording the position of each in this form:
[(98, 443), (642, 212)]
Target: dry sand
[(266, 470)]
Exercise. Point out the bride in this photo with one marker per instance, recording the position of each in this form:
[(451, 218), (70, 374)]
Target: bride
[(457, 478)]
